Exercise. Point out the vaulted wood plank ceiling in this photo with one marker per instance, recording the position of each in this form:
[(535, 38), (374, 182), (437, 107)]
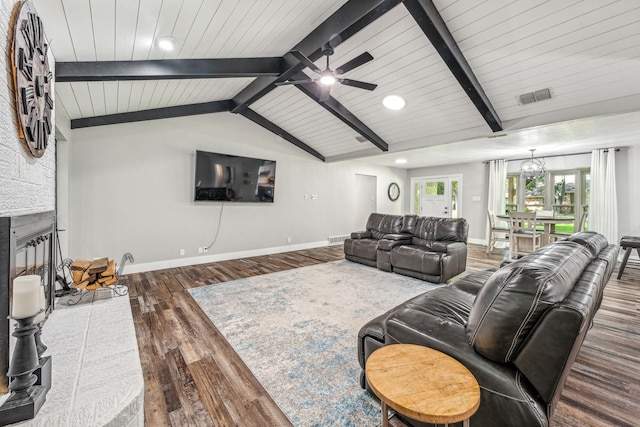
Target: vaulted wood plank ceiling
[(587, 53)]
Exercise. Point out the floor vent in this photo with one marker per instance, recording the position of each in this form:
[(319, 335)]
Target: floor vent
[(334, 240), (537, 96)]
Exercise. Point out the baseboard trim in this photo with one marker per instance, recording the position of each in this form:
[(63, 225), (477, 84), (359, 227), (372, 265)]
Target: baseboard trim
[(482, 242), (183, 262)]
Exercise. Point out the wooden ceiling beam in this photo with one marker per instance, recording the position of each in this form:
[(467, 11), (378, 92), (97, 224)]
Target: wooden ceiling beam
[(352, 17), (154, 114), (429, 20), (312, 90), (272, 127), (168, 69)]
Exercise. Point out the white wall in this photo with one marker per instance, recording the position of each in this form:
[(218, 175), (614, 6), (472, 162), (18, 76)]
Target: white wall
[(476, 179), (131, 190), (628, 194), (474, 184), (27, 184)]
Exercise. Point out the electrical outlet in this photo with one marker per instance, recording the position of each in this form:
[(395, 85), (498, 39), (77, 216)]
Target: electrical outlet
[(206, 249), (289, 240), (181, 252), (200, 250)]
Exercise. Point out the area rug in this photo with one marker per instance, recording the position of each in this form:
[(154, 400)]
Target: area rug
[(297, 332)]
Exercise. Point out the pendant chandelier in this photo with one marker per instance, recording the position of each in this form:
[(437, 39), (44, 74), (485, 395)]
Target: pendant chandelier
[(532, 168)]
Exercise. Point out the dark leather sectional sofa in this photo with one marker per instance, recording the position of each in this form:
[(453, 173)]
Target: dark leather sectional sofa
[(428, 248), (518, 329)]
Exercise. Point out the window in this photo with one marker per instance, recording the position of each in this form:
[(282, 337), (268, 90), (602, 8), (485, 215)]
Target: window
[(454, 198), (586, 185), (534, 194), (511, 196), (566, 193)]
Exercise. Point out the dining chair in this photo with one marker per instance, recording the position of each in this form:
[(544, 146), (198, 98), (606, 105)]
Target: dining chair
[(523, 230), (543, 214), (496, 234), (557, 235)]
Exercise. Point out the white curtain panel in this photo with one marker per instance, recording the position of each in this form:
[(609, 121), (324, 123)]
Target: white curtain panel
[(496, 192), (603, 203)]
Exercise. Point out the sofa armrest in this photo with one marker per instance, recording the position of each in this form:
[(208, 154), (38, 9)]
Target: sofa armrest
[(388, 244), (456, 247), (361, 235)]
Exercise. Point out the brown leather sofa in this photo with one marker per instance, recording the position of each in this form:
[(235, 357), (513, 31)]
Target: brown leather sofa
[(428, 248), (518, 329)]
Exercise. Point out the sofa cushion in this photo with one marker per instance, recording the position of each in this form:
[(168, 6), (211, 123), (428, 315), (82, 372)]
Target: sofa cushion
[(417, 258), (409, 223), (381, 224), (362, 248), (440, 229), (446, 303), (515, 297), (594, 242)]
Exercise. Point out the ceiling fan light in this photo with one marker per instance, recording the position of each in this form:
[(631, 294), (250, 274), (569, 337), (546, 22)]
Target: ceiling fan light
[(327, 80), (394, 102)]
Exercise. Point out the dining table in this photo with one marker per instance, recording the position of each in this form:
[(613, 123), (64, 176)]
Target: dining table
[(548, 222)]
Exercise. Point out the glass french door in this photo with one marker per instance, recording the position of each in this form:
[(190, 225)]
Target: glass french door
[(436, 196)]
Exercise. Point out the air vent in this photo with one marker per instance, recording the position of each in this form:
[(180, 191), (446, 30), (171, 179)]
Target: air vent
[(361, 138), (334, 240), (542, 95), (537, 96)]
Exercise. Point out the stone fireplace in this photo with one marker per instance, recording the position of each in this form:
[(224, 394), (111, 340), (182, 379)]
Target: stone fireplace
[(27, 246)]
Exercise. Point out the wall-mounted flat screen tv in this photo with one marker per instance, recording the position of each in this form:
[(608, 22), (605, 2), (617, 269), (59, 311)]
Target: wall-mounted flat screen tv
[(228, 178)]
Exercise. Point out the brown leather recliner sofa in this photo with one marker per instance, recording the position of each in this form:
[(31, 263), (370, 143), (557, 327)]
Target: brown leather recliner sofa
[(428, 248), (518, 329)]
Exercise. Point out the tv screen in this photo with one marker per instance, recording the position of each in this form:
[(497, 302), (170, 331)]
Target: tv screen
[(223, 177)]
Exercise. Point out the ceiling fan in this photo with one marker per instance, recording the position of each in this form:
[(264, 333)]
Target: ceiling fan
[(328, 77)]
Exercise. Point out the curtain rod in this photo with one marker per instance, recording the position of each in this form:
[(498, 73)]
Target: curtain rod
[(552, 155)]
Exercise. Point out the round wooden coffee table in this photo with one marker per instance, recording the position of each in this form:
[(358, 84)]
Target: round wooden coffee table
[(422, 383)]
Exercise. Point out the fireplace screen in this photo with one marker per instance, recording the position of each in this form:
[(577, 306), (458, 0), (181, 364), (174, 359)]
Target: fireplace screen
[(27, 246)]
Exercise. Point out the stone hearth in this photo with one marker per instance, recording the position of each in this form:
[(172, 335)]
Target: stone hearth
[(97, 378)]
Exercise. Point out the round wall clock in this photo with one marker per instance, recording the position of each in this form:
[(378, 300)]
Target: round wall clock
[(393, 191), (32, 80)]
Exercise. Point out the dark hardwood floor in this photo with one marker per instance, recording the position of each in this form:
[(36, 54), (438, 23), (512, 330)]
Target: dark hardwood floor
[(194, 378)]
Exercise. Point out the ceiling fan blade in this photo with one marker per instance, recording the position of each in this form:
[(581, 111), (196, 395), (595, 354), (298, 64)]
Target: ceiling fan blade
[(324, 93), (294, 82), (358, 84), (355, 62), (306, 61)]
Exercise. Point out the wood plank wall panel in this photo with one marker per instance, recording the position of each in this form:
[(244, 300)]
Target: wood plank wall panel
[(193, 377), (587, 52), (89, 99), (578, 49), (124, 27), (59, 36), (406, 64), (302, 117), (107, 30)]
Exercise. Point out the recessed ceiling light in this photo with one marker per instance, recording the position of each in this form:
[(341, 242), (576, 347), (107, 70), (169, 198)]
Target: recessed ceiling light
[(394, 102), (166, 43), (401, 161)]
